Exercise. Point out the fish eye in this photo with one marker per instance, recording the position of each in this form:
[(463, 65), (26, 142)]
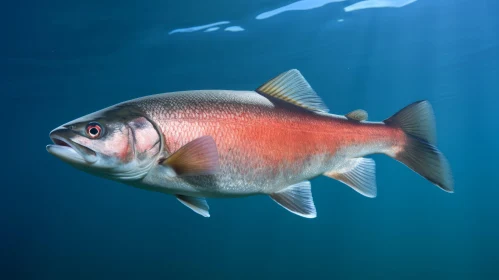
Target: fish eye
[(94, 130)]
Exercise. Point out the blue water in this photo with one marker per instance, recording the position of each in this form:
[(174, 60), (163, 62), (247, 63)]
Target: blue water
[(64, 59)]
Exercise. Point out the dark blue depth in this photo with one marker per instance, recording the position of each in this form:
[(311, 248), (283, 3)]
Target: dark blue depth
[(63, 59)]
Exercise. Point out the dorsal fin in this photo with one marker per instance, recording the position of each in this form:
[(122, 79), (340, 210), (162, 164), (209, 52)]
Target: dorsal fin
[(292, 87), (357, 115)]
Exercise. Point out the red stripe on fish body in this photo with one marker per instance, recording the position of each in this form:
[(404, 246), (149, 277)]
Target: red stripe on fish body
[(263, 145)]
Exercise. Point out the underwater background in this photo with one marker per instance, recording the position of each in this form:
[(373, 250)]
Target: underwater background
[(63, 59)]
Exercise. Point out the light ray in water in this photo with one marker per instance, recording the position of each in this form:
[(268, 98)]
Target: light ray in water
[(368, 4), (234, 28), (297, 6), (197, 28), (211, 29)]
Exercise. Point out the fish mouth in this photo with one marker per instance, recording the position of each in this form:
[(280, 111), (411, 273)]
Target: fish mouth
[(68, 150)]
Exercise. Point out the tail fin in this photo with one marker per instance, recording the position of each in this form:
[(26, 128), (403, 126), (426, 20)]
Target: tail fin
[(420, 153)]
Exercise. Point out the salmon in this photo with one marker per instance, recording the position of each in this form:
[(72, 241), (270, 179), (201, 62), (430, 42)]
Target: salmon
[(226, 144)]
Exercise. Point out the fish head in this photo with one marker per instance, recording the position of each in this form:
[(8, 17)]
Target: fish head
[(118, 143)]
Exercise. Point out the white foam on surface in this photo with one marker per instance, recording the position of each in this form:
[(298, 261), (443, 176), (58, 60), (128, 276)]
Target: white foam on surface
[(197, 28), (297, 6), (234, 28), (211, 29), (369, 4)]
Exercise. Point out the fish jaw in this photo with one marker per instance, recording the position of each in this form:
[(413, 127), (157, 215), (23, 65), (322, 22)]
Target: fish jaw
[(69, 151), (65, 153)]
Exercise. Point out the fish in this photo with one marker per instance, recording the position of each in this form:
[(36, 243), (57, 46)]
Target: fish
[(270, 141)]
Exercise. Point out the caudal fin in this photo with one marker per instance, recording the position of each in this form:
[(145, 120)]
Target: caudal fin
[(419, 152)]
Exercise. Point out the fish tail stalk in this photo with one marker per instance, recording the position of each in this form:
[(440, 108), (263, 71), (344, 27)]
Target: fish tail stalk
[(419, 151)]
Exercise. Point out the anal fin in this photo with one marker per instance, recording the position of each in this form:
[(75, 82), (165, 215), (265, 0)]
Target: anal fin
[(297, 199), (196, 204), (359, 174)]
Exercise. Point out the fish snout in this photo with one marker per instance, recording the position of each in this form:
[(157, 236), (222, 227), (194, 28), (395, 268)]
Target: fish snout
[(67, 149), (61, 131)]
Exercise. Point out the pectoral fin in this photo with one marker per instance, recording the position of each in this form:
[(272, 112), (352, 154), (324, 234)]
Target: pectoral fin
[(359, 174), (297, 199), (196, 204), (198, 157)]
